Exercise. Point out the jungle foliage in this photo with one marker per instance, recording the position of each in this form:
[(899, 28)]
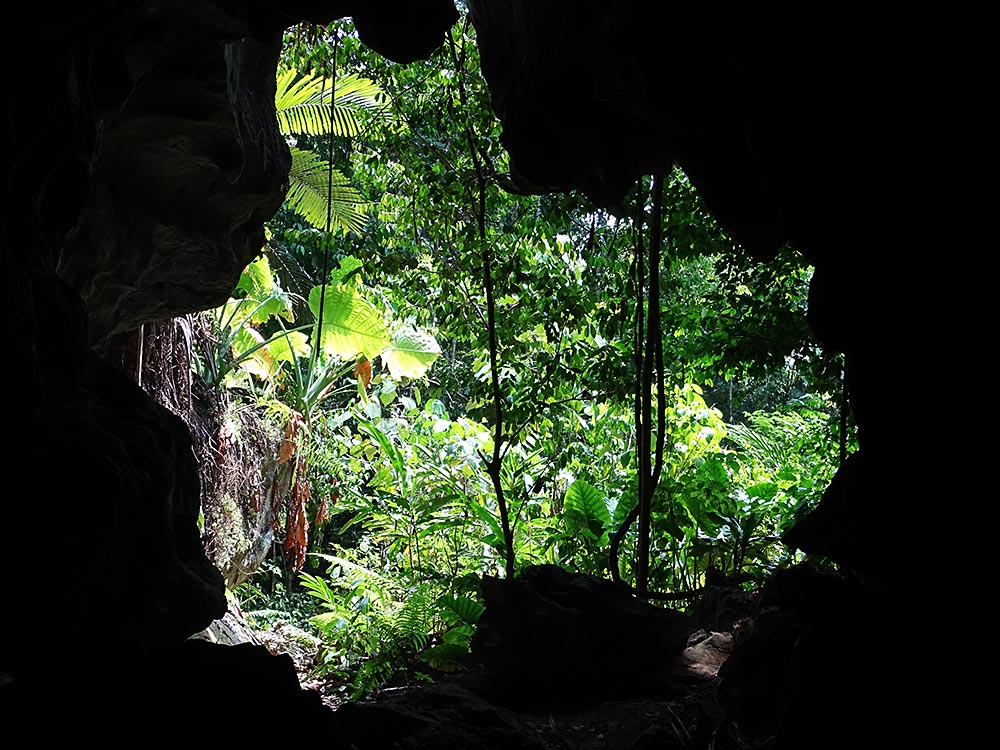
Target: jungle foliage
[(459, 373)]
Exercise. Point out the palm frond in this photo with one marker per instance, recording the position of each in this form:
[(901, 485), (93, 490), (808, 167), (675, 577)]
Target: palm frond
[(312, 191), (302, 104), (757, 442), (294, 277)]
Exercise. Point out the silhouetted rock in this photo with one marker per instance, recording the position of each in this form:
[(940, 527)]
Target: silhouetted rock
[(559, 637)]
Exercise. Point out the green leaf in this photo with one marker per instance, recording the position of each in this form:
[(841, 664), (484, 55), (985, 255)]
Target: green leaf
[(763, 490), (456, 609), (486, 515), (325, 619), (257, 361), (352, 325), (392, 452), (289, 346), (411, 353), (257, 281), (628, 501), (584, 508), (315, 188), (302, 103), (349, 269), (318, 588), (446, 657)]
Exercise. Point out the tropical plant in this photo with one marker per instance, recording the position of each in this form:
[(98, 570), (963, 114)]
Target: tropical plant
[(295, 370), (323, 107), (236, 349), (377, 628)]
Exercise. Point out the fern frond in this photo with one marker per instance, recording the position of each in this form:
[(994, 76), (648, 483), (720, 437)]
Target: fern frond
[(415, 620), (384, 588)]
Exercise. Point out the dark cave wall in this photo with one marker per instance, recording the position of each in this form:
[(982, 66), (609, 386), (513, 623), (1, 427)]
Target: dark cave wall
[(144, 159)]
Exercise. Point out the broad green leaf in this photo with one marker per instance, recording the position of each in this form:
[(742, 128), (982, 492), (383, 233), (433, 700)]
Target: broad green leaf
[(258, 361), (437, 408), (584, 508), (288, 347), (352, 325), (456, 608), (411, 353), (257, 279), (275, 305), (625, 505), (349, 268), (447, 657)]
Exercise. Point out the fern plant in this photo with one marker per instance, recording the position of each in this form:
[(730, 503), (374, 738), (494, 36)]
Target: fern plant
[(380, 628)]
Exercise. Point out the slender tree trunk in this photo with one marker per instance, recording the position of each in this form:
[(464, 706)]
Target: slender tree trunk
[(493, 464), (648, 360), (650, 460)]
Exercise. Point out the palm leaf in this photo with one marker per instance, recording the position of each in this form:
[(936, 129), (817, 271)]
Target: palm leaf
[(757, 442), (302, 104), (312, 191)]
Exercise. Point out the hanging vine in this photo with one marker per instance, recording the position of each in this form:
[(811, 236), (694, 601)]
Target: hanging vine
[(649, 363), (493, 463)]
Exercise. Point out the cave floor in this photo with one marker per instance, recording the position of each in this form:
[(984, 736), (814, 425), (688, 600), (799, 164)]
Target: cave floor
[(456, 712)]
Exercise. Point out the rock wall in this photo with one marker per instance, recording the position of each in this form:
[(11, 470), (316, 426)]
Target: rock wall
[(144, 159)]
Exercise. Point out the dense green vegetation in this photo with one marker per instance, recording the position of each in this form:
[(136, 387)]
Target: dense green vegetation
[(469, 380)]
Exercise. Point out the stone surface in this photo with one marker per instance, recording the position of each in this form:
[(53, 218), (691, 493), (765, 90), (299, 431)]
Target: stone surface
[(144, 159), (554, 637)]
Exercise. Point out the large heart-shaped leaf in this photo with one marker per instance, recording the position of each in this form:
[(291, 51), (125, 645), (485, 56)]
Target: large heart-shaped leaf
[(411, 353), (584, 508), (352, 325)]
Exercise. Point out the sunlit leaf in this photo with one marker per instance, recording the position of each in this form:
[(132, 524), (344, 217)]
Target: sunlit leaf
[(411, 353), (352, 326), (324, 195), (584, 509), (302, 103), (257, 361), (288, 347)]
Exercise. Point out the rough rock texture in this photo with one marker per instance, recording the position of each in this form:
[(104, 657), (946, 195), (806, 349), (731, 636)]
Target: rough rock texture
[(144, 159)]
